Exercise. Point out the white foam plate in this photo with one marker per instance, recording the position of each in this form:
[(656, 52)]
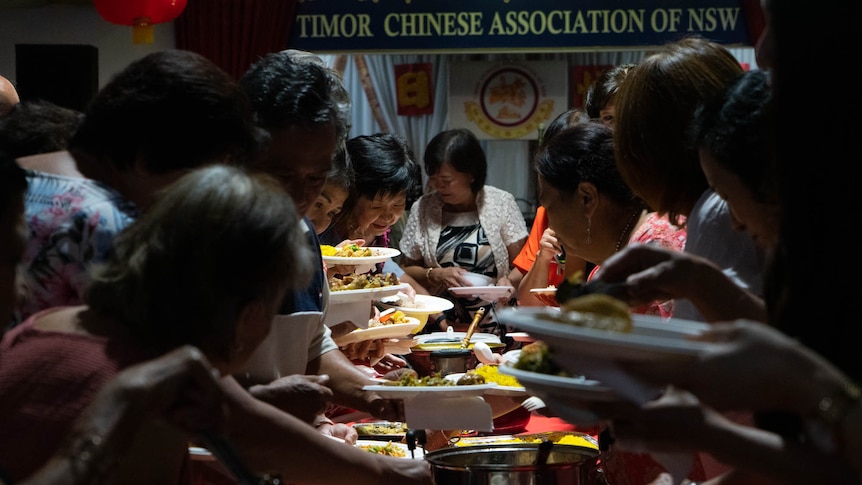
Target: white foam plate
[(377, 255), (348, 296), (489, 293), (548, 296), (521, 337), (512, 356), (424, 304), (652, 338), (384, 331)]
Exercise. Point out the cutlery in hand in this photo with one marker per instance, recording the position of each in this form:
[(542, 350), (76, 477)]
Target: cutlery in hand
[(228, 456)]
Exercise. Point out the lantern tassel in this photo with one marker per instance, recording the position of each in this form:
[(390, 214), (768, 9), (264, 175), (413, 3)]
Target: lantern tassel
[(142, 31)]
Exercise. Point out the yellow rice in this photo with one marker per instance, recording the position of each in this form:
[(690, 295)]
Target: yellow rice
[(492, 374)]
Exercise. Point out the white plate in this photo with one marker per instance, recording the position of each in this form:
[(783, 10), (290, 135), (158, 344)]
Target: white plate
[(544, 385), (400, 345), (198, 451), (489, 293), (521, 337), (508, 391), (652, 338), (428, 392), (477, 279), (512, 356), (497, 390), (440, 337), (417, 453), (347, 296), (377, 255), (548, 296), (424, 304), (383, 331)]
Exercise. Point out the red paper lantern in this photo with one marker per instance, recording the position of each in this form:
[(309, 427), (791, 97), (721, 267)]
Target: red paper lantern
[(140, 14)]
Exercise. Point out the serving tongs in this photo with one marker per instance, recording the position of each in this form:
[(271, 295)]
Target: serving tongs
[(544, 452), (228, 456), (413, 436)]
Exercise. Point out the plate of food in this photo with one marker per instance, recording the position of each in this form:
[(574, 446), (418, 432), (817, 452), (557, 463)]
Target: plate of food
[(389, 448), (351, 254), (488, 293), (442, 389), (347, 296), (420, 307), (407, 326), (381, 430), (419, 304), (642, 338), (506, 385)]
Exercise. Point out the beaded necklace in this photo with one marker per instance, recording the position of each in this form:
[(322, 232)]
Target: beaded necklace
[(627, 229)]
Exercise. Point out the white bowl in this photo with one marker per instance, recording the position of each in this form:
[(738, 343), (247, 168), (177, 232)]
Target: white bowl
[(477, 279), (421, 308)]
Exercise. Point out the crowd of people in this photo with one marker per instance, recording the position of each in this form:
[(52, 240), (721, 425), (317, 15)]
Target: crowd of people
[(163, 280)]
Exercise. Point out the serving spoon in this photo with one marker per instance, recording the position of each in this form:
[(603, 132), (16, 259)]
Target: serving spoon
[(484, 353), (472, 328)]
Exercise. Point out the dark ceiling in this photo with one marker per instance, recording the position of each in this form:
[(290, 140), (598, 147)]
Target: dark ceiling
[(40, 3)]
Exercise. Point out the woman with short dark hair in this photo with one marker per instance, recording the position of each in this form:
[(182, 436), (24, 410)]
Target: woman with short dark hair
[(461, 226)]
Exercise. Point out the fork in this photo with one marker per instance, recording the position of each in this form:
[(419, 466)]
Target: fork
[(533, 403)]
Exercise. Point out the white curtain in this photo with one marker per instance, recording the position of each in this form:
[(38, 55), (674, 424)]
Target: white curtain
[(418, 130), (508, 160), (362, 118)]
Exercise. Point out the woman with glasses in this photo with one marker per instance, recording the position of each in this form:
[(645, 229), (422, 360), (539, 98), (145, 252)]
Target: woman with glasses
[(461, 226)]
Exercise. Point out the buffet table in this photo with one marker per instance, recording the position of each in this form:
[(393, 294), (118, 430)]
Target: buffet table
[(205, 469)]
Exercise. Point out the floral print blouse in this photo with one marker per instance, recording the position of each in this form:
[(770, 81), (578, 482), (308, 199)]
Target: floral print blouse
[(72, 223), (659, 231)]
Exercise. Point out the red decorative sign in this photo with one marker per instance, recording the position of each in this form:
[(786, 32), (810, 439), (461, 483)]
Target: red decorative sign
[(582, 77), (414, 89)]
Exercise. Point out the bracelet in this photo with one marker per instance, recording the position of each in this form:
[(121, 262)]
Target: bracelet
[(428, 273)]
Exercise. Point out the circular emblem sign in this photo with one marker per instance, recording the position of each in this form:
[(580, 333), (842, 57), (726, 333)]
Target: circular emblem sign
[(509, 102), (509, 96)]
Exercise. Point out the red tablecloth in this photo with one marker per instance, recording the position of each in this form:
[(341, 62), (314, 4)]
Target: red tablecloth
[(539, 423)]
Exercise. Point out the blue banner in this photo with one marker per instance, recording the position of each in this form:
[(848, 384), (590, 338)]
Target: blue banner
[(323, 26)]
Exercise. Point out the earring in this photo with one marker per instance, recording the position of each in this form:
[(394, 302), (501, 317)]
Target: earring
[(588, 239)]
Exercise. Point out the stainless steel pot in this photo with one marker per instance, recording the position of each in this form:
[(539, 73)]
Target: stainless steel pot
[(445, 357), (516, 464)]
